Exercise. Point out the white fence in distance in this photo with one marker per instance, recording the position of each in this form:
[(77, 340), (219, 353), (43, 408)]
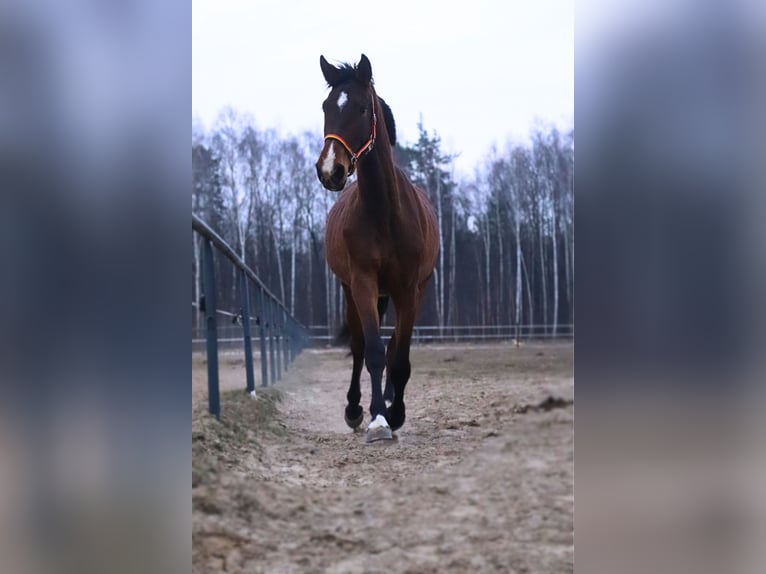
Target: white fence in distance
[(457, 333), (230, 335)]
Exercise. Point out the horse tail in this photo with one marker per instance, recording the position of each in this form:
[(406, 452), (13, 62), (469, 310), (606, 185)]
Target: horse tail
[(343, 336)]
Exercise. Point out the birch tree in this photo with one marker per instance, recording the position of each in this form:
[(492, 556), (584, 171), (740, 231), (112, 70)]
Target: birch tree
[(506, 233)]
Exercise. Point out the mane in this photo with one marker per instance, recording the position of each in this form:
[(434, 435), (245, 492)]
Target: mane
[(347, 73), (388, 118)]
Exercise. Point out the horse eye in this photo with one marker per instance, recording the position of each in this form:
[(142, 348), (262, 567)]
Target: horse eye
[(363, 110)]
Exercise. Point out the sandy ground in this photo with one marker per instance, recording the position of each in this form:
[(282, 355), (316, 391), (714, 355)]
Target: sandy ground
[(477, 480)]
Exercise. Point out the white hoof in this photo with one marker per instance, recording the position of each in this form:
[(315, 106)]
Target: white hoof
[(379, 429), (380, 421)]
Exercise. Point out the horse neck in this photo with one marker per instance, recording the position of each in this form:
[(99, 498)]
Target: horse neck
[(377, 176)]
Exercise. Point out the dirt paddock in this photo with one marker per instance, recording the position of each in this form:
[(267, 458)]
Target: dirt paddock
[(479, 479)]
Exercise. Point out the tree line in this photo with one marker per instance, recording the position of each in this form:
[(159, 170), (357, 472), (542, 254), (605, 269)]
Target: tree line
[(507, 241)]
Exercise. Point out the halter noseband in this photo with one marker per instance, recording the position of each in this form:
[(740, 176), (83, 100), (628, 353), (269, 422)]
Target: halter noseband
[(367, 147)]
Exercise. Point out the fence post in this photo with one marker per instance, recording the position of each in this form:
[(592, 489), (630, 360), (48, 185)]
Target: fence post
[(287, 335), (290, 340), (277, 338), (262, 336), (280, 340), (246, 332), (272, 342), (214, 402), (285, 340)]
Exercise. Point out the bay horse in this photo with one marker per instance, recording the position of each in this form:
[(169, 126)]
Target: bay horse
[(381, 239)]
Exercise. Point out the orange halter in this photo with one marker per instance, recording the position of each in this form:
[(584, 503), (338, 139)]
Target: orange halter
[(365, 148)]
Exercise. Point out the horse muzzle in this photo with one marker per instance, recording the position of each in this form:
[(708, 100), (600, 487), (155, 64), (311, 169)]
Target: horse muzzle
[(336, 180), (331, 167)]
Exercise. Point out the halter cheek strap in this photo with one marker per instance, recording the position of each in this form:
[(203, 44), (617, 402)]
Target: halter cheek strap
[(369, 144)]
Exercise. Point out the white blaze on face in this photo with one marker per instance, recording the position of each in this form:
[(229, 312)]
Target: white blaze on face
[(329, 161), (342, 99)]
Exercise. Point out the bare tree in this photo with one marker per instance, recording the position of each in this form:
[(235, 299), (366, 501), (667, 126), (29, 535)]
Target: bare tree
[(440, 274), (511, 224), (453, 301)]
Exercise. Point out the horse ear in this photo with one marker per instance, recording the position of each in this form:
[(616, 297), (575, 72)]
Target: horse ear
[(364, 70), (331, 73)]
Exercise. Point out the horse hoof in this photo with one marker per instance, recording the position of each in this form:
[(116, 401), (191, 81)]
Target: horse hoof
[(353, 415), (355, 422), (380, 433), (379, 430), (395, 415)]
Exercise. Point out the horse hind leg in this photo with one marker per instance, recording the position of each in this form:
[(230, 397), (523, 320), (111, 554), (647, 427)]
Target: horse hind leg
[(399, 368), (400, 374), (388, 391)]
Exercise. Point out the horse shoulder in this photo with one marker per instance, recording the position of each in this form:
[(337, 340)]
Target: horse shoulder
[(425, 213)]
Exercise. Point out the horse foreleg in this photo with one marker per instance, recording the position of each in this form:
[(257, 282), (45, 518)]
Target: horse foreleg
[(354, 413), (364, 292)]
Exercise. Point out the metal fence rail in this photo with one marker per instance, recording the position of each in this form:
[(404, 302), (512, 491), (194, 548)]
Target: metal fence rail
[(230, 335), (432, 333), (278, 330), (463, 333)]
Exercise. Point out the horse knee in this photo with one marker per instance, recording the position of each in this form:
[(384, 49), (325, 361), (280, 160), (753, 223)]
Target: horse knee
[(375, 356)]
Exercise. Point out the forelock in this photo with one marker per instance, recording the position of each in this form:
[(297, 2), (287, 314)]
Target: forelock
[(346, 73)]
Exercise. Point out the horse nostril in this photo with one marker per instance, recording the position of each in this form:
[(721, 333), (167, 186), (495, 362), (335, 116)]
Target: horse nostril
[(338, 173)]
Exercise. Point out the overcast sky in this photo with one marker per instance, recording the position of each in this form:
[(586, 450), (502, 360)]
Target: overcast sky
[(479, 72)]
